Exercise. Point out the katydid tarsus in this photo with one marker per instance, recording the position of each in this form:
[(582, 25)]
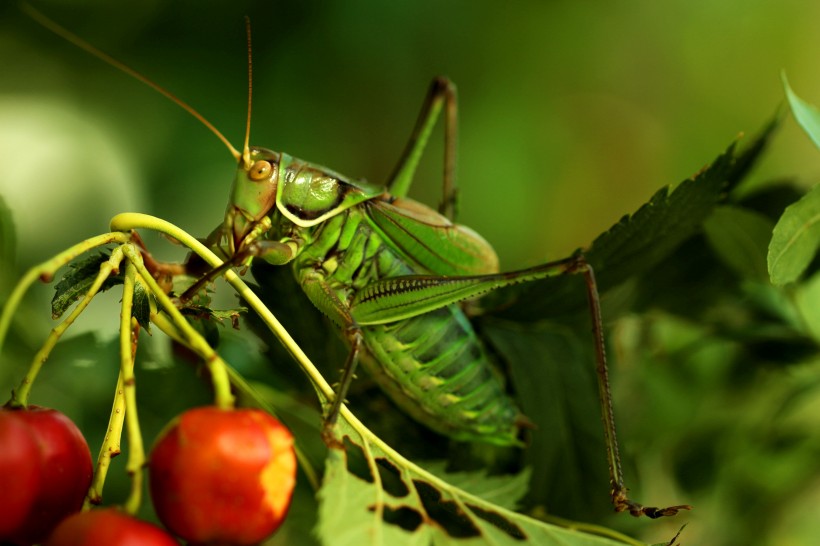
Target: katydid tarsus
[(391, 274)]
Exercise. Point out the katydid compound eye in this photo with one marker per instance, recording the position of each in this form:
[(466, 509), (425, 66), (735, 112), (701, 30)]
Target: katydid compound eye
[(260, 170)]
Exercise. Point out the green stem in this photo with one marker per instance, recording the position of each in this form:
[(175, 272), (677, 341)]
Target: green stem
[(216, 366), (110, 447), (20, 395), (128, 346), (46, 270)]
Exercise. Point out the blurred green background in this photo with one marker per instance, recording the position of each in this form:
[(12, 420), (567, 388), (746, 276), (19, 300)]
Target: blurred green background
[(571, 115)]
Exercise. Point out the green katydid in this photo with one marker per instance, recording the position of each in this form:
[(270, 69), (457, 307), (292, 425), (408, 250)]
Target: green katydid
[(391, 274)]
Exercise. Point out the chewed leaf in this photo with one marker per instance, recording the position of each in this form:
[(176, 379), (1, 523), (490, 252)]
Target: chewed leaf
[(505, 490), (806, 114), (795, 239), (362, 503), (77, 280)]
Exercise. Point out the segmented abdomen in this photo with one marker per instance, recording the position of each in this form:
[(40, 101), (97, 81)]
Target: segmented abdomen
[(436, 369)]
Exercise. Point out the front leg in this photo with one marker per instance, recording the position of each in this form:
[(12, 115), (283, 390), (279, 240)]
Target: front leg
[(273, 252)]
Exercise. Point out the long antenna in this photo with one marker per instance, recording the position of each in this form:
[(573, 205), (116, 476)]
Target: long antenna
[(246, 152), (79, 42)]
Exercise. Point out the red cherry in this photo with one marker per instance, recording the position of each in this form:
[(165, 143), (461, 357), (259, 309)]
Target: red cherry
[(108, 527), (223, 476), (53, 448), (20, 475)]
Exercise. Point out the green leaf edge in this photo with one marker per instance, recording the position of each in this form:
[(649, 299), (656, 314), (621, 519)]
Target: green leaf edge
[(788, 258), (807, 115)]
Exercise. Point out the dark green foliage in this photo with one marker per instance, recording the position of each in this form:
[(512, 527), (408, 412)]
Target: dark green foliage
[(141, 308), (77, 280)]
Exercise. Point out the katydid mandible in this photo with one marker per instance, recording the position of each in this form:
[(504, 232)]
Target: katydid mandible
[(391, 274)]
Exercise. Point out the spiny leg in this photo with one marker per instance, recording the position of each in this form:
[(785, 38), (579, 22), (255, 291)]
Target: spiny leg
[(321, 293), (620, 498), (442, 93), (354, 335)]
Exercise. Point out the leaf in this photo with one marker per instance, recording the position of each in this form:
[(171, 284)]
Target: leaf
[(740, 237), (693, 265), (182, 282), (344, 517), (141, 308), (806, 114), (77, 280), (795, 239), (504, 490), (552, 368), (386, 500)]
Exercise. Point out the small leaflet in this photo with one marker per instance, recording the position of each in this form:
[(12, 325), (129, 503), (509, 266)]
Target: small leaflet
[(77, 280), (141, 308)]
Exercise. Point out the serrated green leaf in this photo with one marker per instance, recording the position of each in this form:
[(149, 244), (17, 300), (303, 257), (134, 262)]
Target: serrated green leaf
[(740, 237), (795, 239), (806, 114), (504, 490), (77, 280)]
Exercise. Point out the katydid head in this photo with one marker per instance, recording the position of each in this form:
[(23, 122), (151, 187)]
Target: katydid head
[(253, 194), (277, 186)]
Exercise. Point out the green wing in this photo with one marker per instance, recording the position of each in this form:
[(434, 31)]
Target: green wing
[(430, 240)]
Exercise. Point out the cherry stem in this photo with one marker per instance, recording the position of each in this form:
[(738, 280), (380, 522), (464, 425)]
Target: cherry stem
[(223, 398), (129, 334), (110, 447)]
